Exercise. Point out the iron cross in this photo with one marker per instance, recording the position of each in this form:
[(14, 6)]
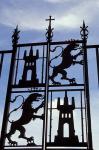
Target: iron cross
[(49, 33), (50, 19)]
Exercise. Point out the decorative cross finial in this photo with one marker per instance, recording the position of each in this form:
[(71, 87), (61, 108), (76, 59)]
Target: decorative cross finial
[(50, 19), (49, 33)]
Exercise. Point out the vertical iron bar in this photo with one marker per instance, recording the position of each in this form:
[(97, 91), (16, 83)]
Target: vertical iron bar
[(86, 118), (43, 65), (8, 95), (7, 102), (85, 103), (17, 66), (87, 95), (49, 39), (50, 119), (97, 59), (82, 124), (46, 98), (1, 63)]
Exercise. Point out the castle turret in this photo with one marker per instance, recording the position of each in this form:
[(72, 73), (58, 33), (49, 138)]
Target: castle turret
[(29, 77), (66, 117)]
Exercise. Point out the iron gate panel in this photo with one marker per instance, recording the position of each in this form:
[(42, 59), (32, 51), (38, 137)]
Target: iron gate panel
[(46, 96)]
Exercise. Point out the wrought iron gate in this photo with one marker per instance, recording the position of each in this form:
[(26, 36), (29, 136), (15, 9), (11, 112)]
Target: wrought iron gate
[(49, 82)]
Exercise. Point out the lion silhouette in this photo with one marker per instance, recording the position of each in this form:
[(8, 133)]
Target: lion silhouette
[(27, 115), (67, 60)]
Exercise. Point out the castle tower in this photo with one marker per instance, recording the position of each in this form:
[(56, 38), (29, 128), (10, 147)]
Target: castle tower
[(29, 69), (66, 117)]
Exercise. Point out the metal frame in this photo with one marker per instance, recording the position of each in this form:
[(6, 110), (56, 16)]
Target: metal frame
[(82, 87)]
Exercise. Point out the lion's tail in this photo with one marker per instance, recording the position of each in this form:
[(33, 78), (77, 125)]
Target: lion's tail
[(52, 66), (13, 111)]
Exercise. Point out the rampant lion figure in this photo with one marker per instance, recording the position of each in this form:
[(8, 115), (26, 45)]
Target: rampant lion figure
[(67, 60), (27, 115)]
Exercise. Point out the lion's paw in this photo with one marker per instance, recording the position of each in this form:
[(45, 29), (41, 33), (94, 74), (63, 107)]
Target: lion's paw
[(81, 62), (13, 143), (72, 81), (56, 83), (30, 140)]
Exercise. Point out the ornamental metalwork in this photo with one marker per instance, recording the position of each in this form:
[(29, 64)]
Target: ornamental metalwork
[(47, 103)]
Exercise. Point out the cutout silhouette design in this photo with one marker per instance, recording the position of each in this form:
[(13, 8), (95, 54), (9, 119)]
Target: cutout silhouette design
[(27, 115), (66, 117), (30, 69), (67, 61)]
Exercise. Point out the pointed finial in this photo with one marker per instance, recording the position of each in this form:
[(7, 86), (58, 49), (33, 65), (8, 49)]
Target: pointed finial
[(84, 31), (58, 102), (66, 94), (37, 53), (31, 51), (24, 54), (16, 30), (65, 99), (17, 26), (15, 36), (73, 102), (83, 24)]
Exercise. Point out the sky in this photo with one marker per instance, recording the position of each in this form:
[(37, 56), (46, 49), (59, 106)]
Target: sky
[(30, 16)]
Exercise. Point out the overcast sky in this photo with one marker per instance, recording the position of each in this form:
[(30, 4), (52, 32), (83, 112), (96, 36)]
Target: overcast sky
[(30, 16)]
